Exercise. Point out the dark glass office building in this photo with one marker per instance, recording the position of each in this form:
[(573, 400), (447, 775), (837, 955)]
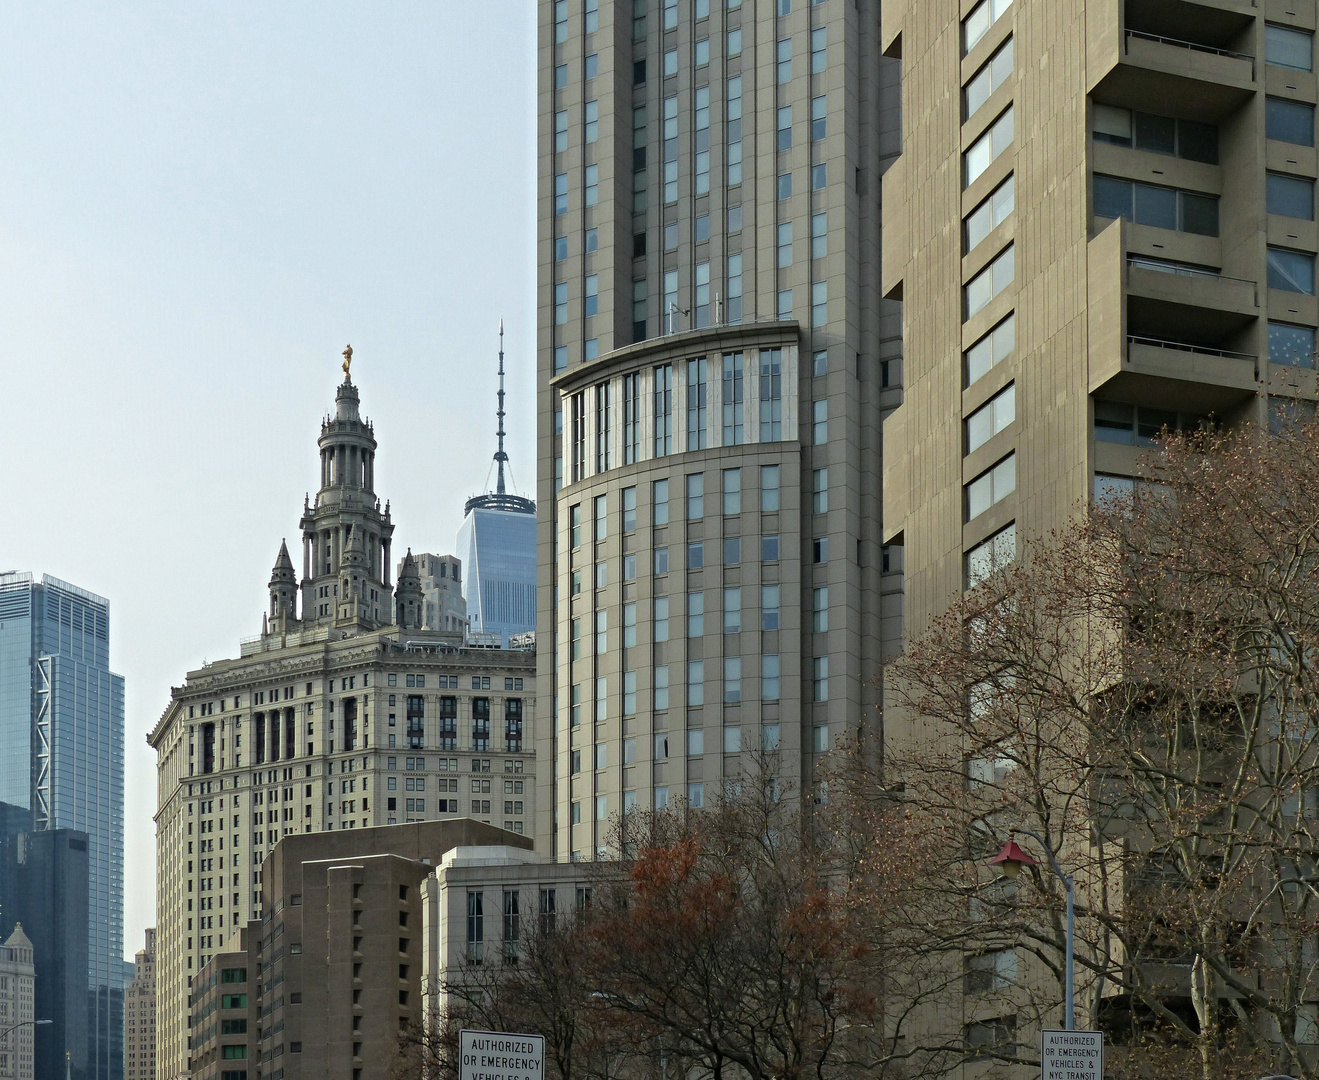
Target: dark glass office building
[(62, 763)]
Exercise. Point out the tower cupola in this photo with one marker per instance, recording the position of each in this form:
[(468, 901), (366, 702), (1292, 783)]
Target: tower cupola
[(283, 590), (408, 597)]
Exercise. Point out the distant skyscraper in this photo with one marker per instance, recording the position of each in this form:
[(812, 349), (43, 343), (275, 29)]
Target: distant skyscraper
[(62, 760), (497, 543), (443, 604), (140, 1014)]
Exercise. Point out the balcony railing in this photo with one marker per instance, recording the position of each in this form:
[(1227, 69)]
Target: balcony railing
[(1181, 346), (1192, 45)]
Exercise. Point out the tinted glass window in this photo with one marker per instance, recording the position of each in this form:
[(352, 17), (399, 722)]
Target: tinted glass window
[(1289, 121), (1291, 196)]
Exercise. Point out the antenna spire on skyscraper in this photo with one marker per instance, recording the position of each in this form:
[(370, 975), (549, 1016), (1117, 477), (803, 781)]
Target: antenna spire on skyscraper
[(500, 456)]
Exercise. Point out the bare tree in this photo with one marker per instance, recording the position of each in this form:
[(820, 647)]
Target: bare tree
[(1140, 691)]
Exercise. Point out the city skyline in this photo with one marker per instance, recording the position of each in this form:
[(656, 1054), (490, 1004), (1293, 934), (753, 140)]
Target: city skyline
[(165, 304)]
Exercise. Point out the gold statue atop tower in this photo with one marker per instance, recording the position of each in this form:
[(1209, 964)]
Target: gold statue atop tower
[(347, 360)]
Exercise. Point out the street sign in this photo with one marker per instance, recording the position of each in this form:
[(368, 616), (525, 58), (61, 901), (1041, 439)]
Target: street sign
[(1070, 1055), (500, 1055)]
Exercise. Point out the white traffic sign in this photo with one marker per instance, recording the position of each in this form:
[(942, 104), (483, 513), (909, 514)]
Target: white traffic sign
[(1071, 1055), (499, 1055)]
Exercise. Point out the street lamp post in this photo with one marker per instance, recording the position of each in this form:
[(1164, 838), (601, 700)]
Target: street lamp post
[(1012, 859)]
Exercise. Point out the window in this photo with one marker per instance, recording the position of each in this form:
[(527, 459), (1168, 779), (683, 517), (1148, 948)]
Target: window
[(592, 184), (630, 690), (591, 113), (661, 687), (819, 176), (560, 193), (732, 550), (561, 143), (820, 679), (1290, 196), (560, 21), (769, 677), (663, 410), (732, 680), (578, 437), (603, 442), (561, 303), (733, 611), (475, 925), (819, 117), (990, 214), (1292, 271), (1288, 48), (991, 555), (769, 488), (698, 387), (695, 555), (734, 128), (783, 306), (701, 125), (1131, 425), (991, 971), (769, 607), (591, 302), (784, 60), (732, 740), (732, 480), (820, 554), (1156, 134), (991, 486), (820, 610), (561, 351), (1150, 204), (819, 491), (783, 133), (592, 65), (991, 281), (990, 349), (988, 79), (819, 45), (661, 619), (991, 418), (695, 496), (783, 249), (1289, 121), (560, 76), (631, 428), (820, 422), (695, 614), (784, 186), (659, 500), (819, 303), (999, 1034), (601, 633), (769, 548), (733, 400), (1293, 345), (982, 17), (734, 43), (771, 395), (986, 149)]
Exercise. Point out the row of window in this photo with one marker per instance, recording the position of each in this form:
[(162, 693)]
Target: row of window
[(770, 686), (730, 502)]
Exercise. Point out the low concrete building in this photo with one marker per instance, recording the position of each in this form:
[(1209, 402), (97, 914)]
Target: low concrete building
[(336, 961), (140, 1014)]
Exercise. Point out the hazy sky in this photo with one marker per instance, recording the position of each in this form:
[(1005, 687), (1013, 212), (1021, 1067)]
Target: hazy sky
[(200, 204)]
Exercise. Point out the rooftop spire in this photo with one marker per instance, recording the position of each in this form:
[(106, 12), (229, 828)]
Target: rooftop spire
[(500, 456)]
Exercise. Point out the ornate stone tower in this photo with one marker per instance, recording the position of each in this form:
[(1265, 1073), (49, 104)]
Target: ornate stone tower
[(409, 597), (345, 534), (283, 592)]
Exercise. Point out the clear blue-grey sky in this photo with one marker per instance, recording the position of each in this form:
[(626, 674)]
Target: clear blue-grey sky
[(200, 204)]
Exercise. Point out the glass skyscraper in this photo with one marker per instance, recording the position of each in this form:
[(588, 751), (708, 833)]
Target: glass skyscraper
[(497, 543), (62, 761)]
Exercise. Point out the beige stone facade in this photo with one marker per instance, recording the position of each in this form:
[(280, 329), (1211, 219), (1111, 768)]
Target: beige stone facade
[(337, 720), (140, 1014), (715, 363), (17, 989)]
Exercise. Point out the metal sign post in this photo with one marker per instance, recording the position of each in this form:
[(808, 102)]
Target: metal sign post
[(1070, 1055), (501, 1055)]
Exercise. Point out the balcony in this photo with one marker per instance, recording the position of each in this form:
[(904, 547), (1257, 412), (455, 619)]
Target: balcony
[(1195, 59), (1168, 335)]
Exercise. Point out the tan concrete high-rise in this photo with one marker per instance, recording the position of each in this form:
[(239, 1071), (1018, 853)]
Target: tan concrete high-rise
[(343, 714), (715, 362), (1133, 187), (140, 1014)]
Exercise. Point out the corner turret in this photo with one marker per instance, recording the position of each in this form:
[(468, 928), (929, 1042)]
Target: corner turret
[(408, 597), (283, 592)]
